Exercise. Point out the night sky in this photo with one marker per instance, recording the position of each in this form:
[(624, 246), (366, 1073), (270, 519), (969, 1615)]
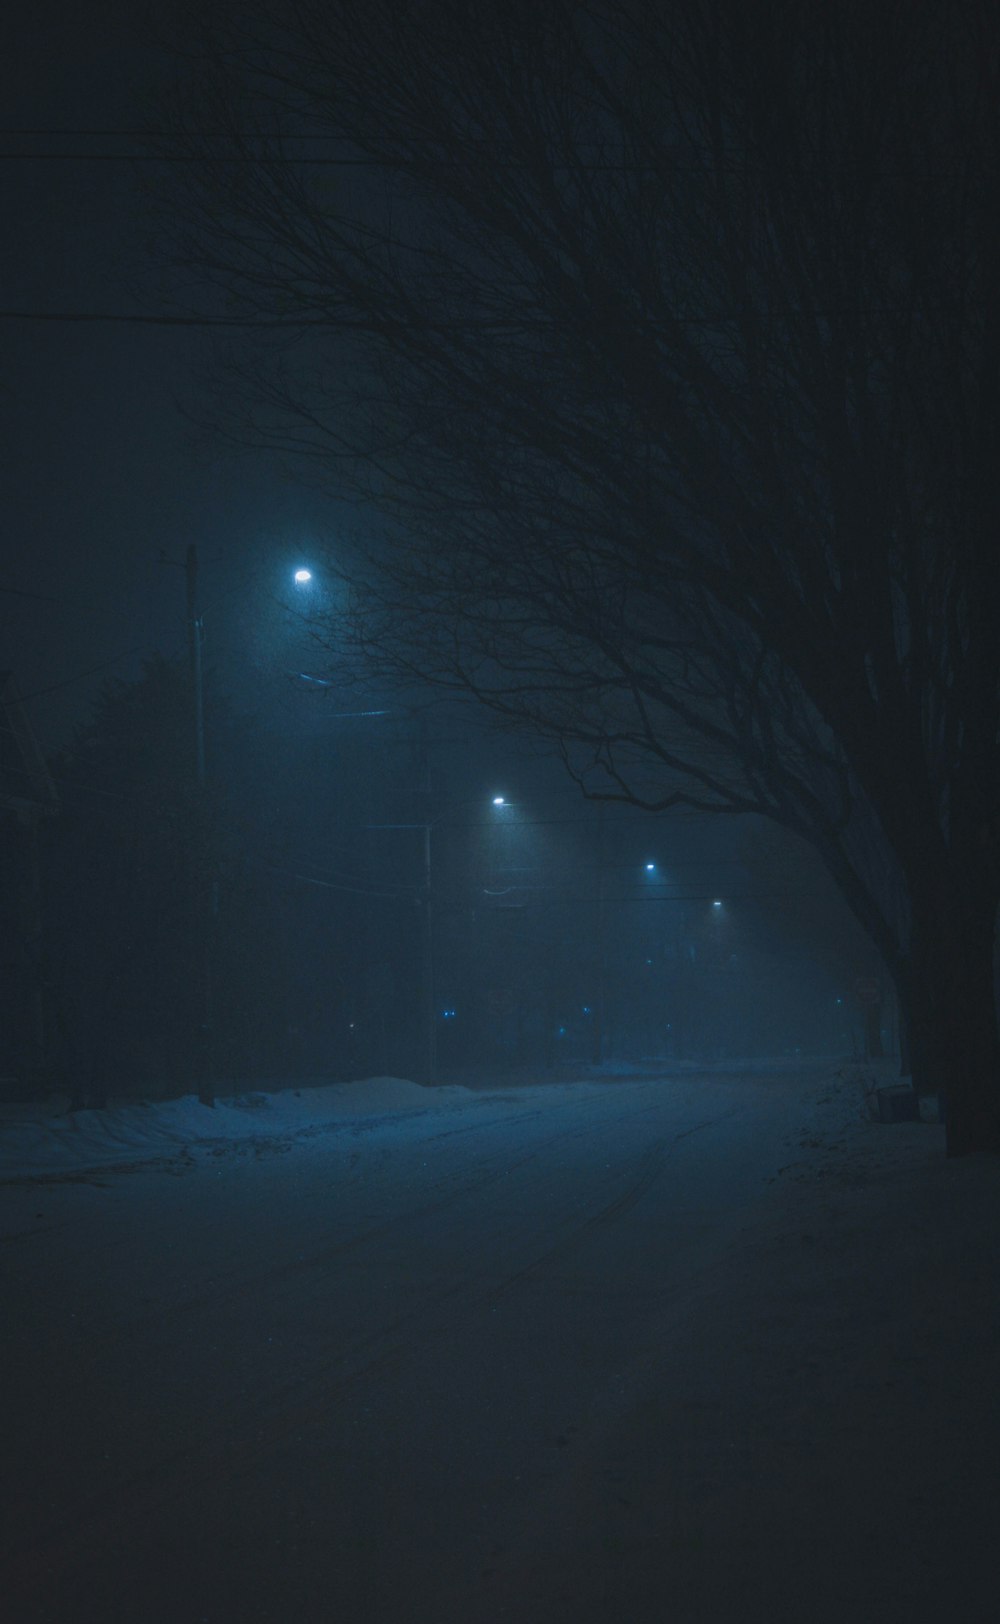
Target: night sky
[(101, 472)]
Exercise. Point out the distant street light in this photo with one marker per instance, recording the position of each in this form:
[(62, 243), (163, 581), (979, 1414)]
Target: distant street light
[(303, 577), (498, 800), (717, 903)]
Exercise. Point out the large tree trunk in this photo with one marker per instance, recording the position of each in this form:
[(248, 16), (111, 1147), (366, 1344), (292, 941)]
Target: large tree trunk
[(952, 1018)]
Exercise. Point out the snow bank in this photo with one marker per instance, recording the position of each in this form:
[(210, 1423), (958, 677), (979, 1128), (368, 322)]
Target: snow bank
[(48, 1140), (42, 1140)]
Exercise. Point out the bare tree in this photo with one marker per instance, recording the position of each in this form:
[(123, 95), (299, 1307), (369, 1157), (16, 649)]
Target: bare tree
[(661, 344)]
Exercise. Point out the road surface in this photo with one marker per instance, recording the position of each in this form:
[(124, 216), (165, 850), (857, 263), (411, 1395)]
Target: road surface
[(526, 1357)]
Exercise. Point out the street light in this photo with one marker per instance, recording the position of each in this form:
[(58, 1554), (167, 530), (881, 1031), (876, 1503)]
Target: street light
[(303, 577)]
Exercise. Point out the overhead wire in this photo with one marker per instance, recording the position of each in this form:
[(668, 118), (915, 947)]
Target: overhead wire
[(80, 676)]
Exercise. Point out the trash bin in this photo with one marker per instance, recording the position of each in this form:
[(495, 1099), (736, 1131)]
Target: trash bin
[(898, 1103)]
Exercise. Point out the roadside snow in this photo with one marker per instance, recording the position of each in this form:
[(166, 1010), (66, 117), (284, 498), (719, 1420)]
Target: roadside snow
[(50, 1139), (47, 1139)]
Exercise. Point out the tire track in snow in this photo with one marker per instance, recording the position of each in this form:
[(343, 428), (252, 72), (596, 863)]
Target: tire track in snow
[(296, 1404)]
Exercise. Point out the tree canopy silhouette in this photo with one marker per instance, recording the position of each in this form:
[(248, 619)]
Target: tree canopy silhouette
[(661, 345)]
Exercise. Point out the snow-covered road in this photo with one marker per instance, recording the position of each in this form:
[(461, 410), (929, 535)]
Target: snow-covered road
[(397, 1356)]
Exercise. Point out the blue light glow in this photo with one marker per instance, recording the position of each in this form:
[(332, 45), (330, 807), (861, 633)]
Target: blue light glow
[(303, 577)]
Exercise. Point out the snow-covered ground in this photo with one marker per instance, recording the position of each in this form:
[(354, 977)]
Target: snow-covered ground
[(691, 1346), (52, 1140)]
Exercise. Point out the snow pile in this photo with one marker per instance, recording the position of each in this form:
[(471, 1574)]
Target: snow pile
[(49, 1140), (42, 1140)]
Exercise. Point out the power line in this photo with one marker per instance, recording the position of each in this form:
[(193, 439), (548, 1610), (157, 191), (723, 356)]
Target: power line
[(290, 160), (48, 597), (122, 319), (736, 163), (446, 329), (80, 676), (334, 885), (22, 592)]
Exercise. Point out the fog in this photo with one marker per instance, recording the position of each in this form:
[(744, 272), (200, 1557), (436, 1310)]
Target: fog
[(366, 888)]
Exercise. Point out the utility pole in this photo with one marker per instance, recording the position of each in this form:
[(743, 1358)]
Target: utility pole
[(425, 898), (425, 794), (599, 1029), (195, 634), (429, 1009), (205, 898)]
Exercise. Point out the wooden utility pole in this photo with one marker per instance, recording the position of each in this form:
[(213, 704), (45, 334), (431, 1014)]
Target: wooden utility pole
[(599, 1029), (205, 900), (429, 1008), (195, 634)]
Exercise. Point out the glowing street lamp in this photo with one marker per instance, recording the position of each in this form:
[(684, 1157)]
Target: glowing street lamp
[(303, 577)]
